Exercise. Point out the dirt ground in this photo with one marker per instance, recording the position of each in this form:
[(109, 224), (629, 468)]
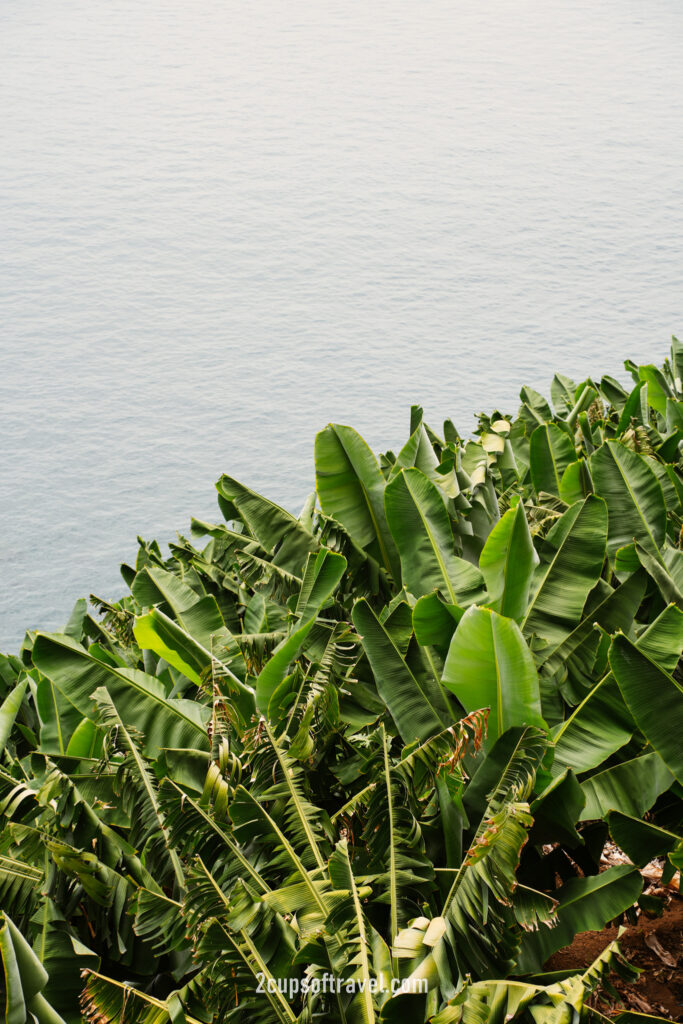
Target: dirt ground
[(654, 944)]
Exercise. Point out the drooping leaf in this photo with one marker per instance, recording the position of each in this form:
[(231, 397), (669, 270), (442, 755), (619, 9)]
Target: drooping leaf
[(596, 728), (59, 719), (156, 632), (654, 698), (602, 723), (421, 528), (585, 904), (662, 640), (351, 489), (611, 608), (140, 698), (434, 621), (278, 532), (576, 483), (550, 452), (417, 706), (634, 498), (641, 841), (321, 578), (557, 809), (571, 562), (199, 616), (631, 787)]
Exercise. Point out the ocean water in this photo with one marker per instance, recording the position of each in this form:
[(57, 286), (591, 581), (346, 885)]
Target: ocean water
[(224, 224)]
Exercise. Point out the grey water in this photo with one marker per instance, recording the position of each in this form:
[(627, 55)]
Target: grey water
[(224, 224)]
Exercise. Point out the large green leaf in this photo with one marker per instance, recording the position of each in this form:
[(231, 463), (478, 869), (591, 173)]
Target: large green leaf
[(25, 978), (641, 841), (634, 497), (585, 904), (507, 563), (662, 640), (602, 723), (434, 621), (140, 698), (418, 452), (576, 483), (156, 632), (571, 562), (654, 699), (59, 719), (421, 527), (557, 809), (87, 740), (490, 666), (322, 576), (611, 608), (534, 408), (658, 391), (550, 452), (9, 709), (64, 957), (154, 585), (275, 669), (417, 706), (665, 569), (351, 489), (599, 726), (563, 394), (631, 787)]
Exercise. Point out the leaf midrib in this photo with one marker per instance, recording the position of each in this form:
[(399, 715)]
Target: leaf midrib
[(432, 541), (633, 497), (552, 562)]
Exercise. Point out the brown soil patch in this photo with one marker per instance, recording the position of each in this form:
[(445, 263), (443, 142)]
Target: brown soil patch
[(659, 989)]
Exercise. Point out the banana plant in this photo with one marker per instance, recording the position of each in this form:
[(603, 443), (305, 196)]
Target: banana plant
[(382, 741)]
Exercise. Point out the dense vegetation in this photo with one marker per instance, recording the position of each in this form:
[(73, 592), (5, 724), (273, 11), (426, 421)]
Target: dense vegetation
[(387, 739)]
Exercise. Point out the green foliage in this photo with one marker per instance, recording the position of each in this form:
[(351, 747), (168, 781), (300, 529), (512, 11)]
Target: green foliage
[(383, 741)]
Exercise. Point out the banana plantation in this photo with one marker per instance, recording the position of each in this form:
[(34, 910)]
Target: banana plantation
[(361, 765)]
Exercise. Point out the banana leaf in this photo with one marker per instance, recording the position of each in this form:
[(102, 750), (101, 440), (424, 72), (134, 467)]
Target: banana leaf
[(571, 559), (140, 698), (421, 528), (585, 905), (418, 706), (633, 496), (350, 487), (489, 665), (654, 698), (507, 563)]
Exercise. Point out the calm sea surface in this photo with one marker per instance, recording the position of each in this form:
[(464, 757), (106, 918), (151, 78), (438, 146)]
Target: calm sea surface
[(224, 224)]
